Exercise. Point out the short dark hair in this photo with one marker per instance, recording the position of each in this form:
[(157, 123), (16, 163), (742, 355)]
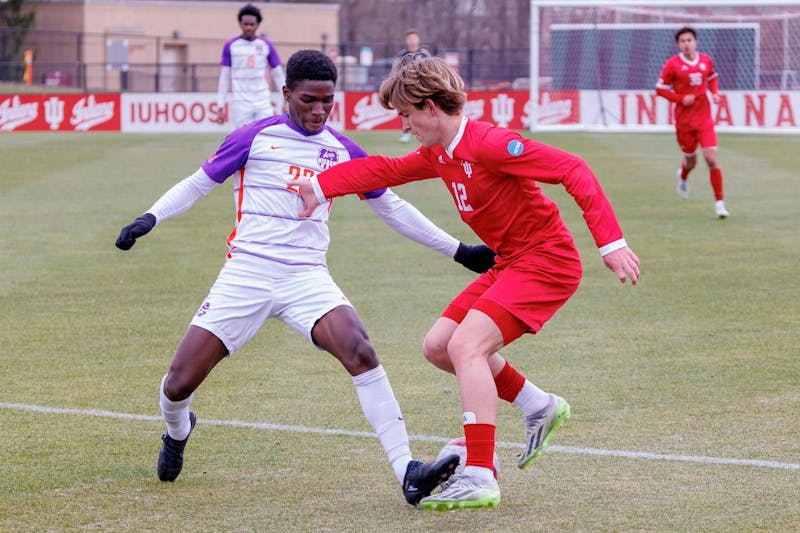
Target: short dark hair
[(685, 29), (309, 65), (250, 9)]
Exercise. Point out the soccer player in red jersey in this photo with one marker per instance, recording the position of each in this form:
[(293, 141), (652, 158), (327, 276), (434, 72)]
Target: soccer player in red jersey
[(491, 173), (685, 80)]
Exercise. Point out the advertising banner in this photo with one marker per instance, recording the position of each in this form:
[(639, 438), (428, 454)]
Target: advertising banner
[(59, 112), (747, 111), (765, 111), (509, 109), (171, 112)]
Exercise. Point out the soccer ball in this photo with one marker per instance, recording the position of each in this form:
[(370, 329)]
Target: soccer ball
[(459, 447)]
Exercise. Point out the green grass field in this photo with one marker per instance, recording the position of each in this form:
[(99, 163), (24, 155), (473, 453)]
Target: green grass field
[(685, 389)]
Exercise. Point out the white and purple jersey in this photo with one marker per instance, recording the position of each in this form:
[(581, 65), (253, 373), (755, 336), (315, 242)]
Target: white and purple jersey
[(248, 61), (264, 155)]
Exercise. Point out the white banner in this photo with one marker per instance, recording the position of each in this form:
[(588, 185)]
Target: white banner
[(753, 111), (170, 112), (187, 113)]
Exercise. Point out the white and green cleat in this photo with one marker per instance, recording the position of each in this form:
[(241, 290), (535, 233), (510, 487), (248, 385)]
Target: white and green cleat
[(466, 492), (540, 427)]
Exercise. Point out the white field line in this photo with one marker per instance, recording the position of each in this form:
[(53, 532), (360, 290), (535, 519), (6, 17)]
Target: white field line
[(425, 438)]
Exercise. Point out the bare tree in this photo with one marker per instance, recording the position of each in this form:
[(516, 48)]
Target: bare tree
[(444, 24), (11, 41)]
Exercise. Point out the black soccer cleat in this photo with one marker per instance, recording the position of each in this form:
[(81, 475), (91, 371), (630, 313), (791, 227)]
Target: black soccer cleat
[(170, 458), (422, 478)]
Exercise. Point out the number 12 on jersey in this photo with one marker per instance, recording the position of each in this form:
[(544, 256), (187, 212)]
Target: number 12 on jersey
[(460, 195)]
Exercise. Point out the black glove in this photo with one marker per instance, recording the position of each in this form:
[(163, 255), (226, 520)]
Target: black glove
[(131, 232), (478, 258)]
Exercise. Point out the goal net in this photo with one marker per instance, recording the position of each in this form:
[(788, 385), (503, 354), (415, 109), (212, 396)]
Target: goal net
[(594, 65)]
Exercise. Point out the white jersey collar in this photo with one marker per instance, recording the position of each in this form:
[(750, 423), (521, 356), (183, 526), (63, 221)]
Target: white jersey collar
[(457, 139), (693, 62)]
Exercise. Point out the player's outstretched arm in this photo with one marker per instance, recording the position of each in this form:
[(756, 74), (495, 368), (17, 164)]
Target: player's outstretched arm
[(408, 221), (139, 227), (178, 199), (624, 263)]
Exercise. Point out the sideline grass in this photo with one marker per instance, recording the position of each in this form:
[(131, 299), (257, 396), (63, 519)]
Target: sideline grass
[(699, 359)]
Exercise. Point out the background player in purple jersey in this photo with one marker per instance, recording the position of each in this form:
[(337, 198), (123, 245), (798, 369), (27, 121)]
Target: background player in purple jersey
[(276, 267), (244, 65)]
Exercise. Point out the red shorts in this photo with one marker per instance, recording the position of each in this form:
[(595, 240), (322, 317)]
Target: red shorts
[(690, 137), (522, 295)]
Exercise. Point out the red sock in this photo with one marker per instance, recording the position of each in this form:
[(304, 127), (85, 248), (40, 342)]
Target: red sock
[(716, 182), (509, 382), (684, 172), (480, 445)]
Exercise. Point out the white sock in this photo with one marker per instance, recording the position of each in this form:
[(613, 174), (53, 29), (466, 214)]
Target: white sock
[(531, 398), (383, 412), (484, 474), (176, 414)]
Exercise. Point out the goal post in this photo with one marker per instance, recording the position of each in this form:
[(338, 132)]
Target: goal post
[(594, 64)]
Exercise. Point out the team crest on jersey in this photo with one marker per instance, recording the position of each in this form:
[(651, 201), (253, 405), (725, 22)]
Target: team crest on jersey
[(327, 158), (702, 66), (467, 168)]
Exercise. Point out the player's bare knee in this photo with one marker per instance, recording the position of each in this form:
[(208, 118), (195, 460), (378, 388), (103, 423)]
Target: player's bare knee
[(435, 350), (177, 388), (432, 348), (459, 350), (437, 359), (359, 356)]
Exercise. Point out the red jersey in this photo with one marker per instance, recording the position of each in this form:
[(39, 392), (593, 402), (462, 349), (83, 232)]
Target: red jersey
[(491, 173), (680, 77)]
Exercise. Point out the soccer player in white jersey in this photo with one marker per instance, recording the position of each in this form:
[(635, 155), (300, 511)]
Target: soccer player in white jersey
[(243, 72), (276, 266)]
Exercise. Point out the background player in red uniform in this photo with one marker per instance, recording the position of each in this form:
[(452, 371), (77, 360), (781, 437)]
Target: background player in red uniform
[(685, 80), (491, 173)]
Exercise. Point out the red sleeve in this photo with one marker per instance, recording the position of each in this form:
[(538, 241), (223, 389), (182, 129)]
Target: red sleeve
[(374, 172), (664, 86), (546, 164), (713, 77), (670, 95)]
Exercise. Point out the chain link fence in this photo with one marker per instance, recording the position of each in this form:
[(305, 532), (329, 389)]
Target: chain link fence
[(99, 62)]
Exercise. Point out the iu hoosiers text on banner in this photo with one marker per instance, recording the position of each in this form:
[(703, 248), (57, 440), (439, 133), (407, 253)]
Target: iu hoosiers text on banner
[(184, 113)]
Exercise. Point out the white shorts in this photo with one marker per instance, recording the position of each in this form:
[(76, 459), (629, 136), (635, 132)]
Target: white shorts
[(245, 113), (249, 290)]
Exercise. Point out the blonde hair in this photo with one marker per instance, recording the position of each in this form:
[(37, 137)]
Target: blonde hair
[(412, 82)]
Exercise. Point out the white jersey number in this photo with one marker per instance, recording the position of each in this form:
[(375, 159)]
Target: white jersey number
[(460, 195)]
